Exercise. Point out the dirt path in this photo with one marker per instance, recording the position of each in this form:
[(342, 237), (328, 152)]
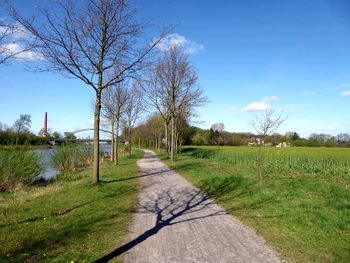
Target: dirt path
[(175, 222)]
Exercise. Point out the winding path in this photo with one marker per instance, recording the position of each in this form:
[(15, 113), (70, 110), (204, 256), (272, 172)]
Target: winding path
[(175, 222)]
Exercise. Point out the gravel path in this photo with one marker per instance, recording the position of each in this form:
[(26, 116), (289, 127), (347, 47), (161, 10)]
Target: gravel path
[(175, 222)]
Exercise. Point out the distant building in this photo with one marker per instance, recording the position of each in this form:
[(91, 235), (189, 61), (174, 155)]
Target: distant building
[(283, 144)]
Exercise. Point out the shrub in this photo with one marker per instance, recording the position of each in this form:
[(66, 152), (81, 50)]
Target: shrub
[(70, 158), (18, 167)]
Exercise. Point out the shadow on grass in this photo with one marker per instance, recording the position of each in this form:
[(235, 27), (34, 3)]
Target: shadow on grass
[(53, 240), (59, 213), (170, 207)]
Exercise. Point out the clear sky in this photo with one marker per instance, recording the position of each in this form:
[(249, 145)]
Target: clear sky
[(250, 54)]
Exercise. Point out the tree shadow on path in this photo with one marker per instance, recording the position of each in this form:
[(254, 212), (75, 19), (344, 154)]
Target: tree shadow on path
[(136, 177), (168, 206)]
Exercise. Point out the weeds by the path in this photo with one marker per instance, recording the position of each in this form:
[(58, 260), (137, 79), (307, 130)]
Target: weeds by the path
[(69, 220)]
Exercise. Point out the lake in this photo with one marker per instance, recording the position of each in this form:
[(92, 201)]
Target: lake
[(49, 171)]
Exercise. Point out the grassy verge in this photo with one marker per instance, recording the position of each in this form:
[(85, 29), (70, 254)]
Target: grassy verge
[(306, 219), (69, 220)]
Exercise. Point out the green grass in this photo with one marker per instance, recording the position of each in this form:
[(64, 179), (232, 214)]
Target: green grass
[(305, 217), (69, 220)]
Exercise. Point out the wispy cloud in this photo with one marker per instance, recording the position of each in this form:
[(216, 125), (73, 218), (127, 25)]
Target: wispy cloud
[(233, 108), (272, 98), (20, 52), (307, 93), (16, 34), (175, 39), (345, 93), (256, 106)]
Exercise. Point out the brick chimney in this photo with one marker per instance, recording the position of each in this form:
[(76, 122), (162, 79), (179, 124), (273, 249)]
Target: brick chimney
[(45, 124)]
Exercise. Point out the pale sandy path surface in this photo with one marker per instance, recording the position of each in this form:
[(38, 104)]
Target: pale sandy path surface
[(175, 222)]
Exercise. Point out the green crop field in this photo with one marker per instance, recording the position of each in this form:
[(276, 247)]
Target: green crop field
[(302, 209), (292, 161)]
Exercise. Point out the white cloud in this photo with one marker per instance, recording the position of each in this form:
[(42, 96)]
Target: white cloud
[(345, 93), (270, 99), (15, 34), (256, 106), (20, 53), (175, 39), (233, 108)]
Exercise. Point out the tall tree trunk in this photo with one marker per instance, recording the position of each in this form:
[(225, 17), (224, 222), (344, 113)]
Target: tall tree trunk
[(259, 164), (112, 142), (172, 137), (155, 142), (159, 142), (116, 155), (129, 143), (176, 140), (96, 164), (166, 140)]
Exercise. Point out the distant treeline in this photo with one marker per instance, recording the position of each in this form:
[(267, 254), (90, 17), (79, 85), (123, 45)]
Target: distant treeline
[(12, 138), (151, 132), (19, 133)]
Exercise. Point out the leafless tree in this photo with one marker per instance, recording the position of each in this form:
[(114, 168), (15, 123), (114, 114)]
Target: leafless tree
[(86, 39), (217, 129), (108, 112), (22, 125), (157, 97), (156, 127), (266, 124), (120, 96), (134, 107), (179, 80)]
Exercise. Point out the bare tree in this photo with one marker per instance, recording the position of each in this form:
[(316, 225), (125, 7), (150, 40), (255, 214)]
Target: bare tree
[(86, 39), (178, 80), (266, 124), (134, 107), (108, 112), (121, 95), (22, 125), (157, 97), (216, 132)]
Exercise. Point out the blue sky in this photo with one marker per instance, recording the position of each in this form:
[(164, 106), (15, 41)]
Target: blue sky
[(289, 55)]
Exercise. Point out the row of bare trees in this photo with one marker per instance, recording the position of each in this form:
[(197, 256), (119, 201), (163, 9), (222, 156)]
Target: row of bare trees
[(102, 44), (122, 104), (172, 89), (99, 42)]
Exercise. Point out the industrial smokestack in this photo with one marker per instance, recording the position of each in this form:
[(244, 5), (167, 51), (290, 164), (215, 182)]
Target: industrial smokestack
[(45, 124)]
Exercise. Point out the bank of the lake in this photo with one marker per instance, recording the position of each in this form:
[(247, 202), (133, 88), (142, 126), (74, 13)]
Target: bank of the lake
[(69, 220), (50, 172)]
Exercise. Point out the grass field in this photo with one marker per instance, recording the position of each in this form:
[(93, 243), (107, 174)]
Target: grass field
[(69, 220), (303, 207)]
